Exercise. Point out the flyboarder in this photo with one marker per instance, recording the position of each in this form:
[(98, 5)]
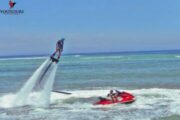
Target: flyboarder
[(54, 57), (59, 49)]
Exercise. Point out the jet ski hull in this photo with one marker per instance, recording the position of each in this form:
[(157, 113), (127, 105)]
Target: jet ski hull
[(123, 98)]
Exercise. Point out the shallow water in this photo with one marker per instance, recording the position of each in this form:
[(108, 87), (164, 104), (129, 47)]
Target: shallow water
[(152, 78)]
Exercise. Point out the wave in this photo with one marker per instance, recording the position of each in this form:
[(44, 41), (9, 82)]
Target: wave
[(178, 56), (103, 57), (23, 58), (146, 98), (150, 103), (77, 55)]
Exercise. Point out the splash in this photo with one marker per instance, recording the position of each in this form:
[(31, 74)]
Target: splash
[(46, 92), (23, 95)]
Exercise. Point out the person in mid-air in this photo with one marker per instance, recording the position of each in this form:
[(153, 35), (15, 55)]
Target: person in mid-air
[(59, 48), (112, 95)]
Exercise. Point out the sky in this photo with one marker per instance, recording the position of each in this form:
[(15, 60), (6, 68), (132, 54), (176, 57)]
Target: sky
[(90, 26)]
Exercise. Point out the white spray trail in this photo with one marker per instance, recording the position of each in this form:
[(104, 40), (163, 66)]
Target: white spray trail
[(23, 94), (46, 92)]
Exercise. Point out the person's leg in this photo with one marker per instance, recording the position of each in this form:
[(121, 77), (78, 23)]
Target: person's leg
[(112, 98), (59, 54), (116, 98), (54, 53)]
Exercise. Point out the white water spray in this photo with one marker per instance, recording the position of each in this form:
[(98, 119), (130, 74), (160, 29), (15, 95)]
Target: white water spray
[(22, 96), (46, 92)]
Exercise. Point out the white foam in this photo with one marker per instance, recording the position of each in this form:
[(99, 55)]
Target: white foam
[(178, 56), (7, 100), (146, 99), (23, 94), (102, 57), (76, 55), (46, 92), (23, 58)]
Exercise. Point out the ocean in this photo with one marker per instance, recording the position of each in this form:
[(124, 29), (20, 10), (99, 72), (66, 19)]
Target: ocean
[(153, 77)]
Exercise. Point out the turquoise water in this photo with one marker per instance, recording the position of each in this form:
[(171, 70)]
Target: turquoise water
[(98, 71), (126, 71), (149, 76)]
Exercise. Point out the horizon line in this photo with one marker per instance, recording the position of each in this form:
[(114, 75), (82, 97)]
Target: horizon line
[(93, 53)]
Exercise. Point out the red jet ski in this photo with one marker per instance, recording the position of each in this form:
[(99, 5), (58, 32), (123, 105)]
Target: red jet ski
[(122, 97)]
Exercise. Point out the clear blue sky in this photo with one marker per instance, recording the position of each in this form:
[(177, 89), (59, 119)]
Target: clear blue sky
[(90, 26)]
